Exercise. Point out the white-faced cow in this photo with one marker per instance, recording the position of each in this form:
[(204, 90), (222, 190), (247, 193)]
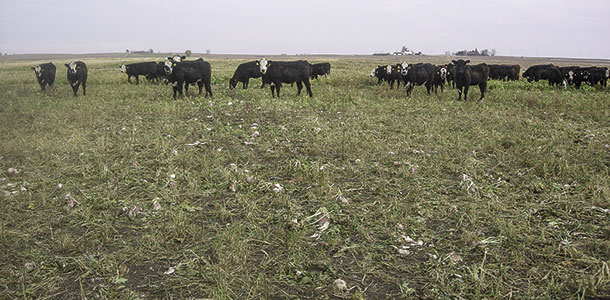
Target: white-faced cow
[(77, 75), (439, 78), (243, 73), (277, 72), (417, 74), (148, 69), (466, 75), (45, 74), (184, 73)]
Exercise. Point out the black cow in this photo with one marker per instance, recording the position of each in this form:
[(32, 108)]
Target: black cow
[(243, 73), (148, 69), (277, 72), (439, 77), (379, 73), (417, 74), (185, 73), (451, 74), (45, 73), (466, 75), (319, 70), (597, 75), (159, 72), (567, 73), (504, 72), (548, 72), (77, 75)]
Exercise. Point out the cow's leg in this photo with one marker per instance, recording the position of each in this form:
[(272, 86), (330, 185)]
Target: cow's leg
[(272, 90), (308, 87), (277, 88), (200, 84), (137, 79), (246, 83), (466, 87), (483, 88), (299, 87), (459, 88), (75, 88), (208, 88), (186, 89), (128, 78)]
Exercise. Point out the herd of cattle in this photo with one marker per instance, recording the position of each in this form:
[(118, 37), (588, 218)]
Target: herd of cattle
[(459, 74)]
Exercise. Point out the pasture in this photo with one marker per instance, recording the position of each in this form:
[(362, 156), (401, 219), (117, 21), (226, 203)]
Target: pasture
[(128, 194)]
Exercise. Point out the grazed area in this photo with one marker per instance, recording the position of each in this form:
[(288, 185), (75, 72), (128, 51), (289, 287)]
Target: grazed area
[(128, 194)]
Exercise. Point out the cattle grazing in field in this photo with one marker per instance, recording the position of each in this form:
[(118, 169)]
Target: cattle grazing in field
[(45, 74), (417, 74), (504, 72), (147, 69), (548, 72), (159, 72), (243, 73), (320, 69), (77, 75), (567, 73), (597, 75), (393, 75), (379, 73), (277, 72), (439, 77), (466, 75), (181, 74)]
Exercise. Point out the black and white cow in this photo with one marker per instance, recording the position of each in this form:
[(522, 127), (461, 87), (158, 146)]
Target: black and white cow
[(320, 69), (243, 73), (548, 72), (597, 75), (466, 75), (567, 73), (417, 74), (439, 78), (277, 72), (77, 75), (45, 74), (176, 58), (181, 74), (148, 69), (379, 73)]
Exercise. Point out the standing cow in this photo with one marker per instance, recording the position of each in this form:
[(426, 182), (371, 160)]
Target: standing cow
[(548, 72), (319, 70), (439, 78), (148, 69), (417, 74), (277, 72), (243, 73), (184, 73), (77, 75), (466, 75), (45, 73)]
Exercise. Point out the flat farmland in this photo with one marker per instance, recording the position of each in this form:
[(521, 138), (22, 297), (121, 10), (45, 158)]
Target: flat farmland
[(356, 193)]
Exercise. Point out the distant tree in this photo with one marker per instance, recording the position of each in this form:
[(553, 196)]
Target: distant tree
[(207, 51), (485, 52), (188, 53), (127, 51), (493, 52), (151, 51)]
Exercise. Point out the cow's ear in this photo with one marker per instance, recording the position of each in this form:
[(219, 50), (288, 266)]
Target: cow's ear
[(257, 63), (467, 61), (455, 62)]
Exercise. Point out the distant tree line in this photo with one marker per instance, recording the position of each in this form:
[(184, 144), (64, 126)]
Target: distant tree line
[(476, 52)]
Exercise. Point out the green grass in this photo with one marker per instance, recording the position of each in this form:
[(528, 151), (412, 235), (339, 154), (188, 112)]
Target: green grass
[(507, 196)]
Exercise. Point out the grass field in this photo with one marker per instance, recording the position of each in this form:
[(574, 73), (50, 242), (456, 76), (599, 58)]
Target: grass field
[(128, 194)]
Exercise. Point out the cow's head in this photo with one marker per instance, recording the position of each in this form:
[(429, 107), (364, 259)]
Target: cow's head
[(263, 64), (37, 70), (460, 65), (388, 69), (72, 66), (443, 73), (404, 68), (373, 73), (168, 67), (123, 68), (232, 83)]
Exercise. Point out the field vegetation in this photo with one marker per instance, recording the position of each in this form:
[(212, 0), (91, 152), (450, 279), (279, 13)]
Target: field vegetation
[(356, 193)]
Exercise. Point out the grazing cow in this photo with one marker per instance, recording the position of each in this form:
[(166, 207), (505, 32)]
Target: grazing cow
[(548, 72), (77, 75), (466, 75), (185, 73), (597, 75), (393, 74), (439, 77), (504, 72), (148, 69), (45, 73), (159, 72), (451, 74), (417, 74), (567, 73), (379, 73), (277, 72), (243, 73), (319, 70)]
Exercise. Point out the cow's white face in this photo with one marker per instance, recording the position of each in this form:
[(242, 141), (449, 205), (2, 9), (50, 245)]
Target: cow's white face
[(607, 73), (38, 71), (443, 73), (168, 67), (72, 67), (388, 69), (373, 73), (404, 68), (123, 68), (262, 65), (571, 75), (177, 58)]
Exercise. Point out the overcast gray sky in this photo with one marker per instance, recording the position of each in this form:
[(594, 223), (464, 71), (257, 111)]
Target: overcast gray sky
[(513, 27)]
